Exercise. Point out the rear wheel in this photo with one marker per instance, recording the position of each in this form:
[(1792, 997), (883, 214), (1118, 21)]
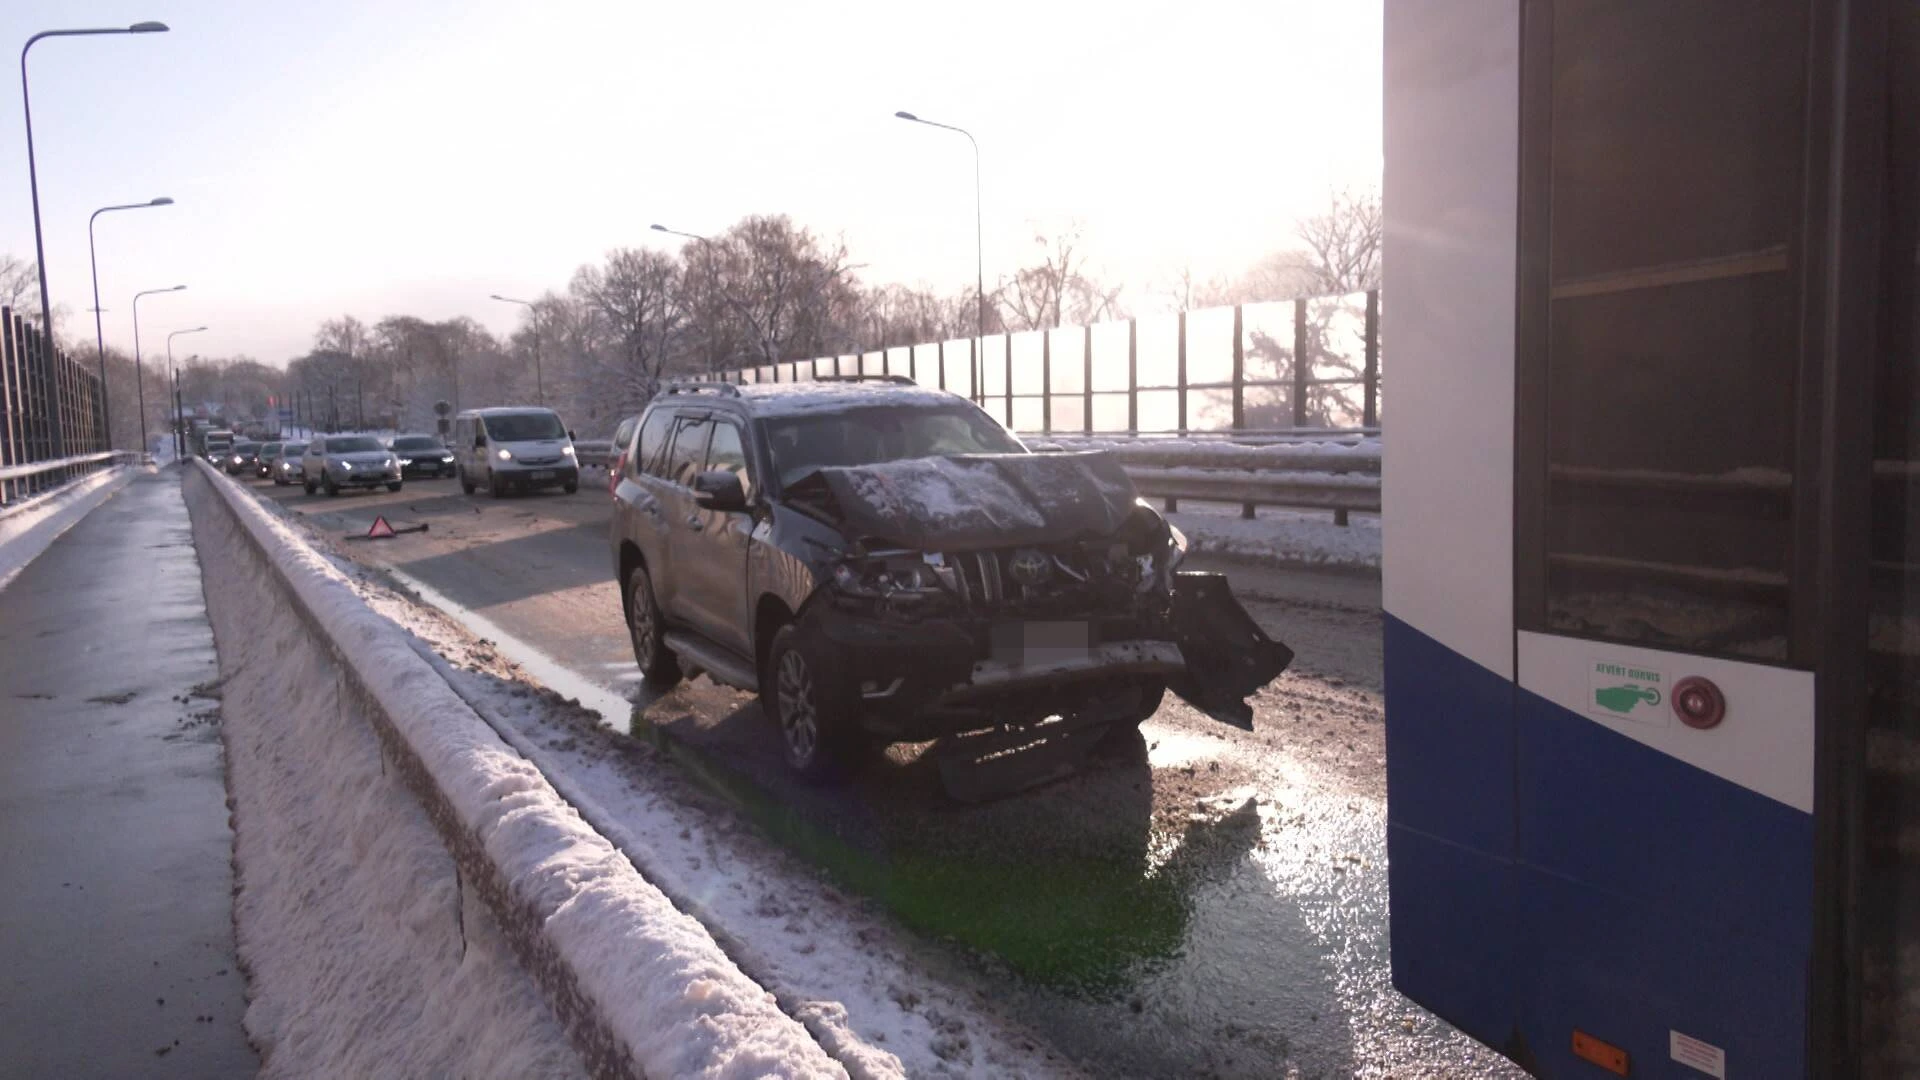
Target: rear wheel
[(466, 485), (798, 692), (308, 484), (327, 485), (571, 488), (395, 486), (657, 663)]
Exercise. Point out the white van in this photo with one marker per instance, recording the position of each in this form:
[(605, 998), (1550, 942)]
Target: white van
[(521, 447)]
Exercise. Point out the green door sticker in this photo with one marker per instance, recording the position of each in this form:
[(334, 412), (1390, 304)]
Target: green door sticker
[(1627, 692)]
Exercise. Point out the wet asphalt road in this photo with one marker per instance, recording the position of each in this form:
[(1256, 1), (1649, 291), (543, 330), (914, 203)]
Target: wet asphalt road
[(1199, 901)]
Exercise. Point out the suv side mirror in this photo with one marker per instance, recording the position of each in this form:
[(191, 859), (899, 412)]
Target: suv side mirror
[(480, 441), (719, 489), (571, 435)]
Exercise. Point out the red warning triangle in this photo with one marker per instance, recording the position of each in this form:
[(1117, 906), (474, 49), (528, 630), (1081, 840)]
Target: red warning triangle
[(380, 528)]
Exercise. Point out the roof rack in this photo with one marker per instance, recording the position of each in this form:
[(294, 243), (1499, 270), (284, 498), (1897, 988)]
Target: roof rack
[(897, 380), (686, 386)]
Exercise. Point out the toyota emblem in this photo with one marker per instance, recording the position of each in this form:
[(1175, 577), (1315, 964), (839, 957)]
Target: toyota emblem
[(1029, 567)]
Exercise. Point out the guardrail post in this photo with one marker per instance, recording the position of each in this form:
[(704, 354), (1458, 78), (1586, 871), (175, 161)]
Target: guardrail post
[(1370, 410), (1007, 348), (1086, 382), (1240, 388), (1180, 377), (940, 364), (1046, 381), (1301, 363), (1133, 376)]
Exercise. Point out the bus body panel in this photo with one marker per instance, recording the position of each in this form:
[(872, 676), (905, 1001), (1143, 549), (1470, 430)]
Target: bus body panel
[(1552, 868)]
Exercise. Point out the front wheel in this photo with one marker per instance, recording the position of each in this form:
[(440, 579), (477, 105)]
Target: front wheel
[(327, 485), (658, 665), (496, 487), (571, 488), (395, 486), (797, 691), (466, 485), (308, 485)]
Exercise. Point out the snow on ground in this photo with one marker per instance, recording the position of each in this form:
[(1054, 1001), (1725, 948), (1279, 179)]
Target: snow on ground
[(349, 929), (1305, 538), (858, 982), (28, 527), (364, 954)]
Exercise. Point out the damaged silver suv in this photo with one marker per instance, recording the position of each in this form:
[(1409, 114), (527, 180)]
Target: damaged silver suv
[(885, 563)]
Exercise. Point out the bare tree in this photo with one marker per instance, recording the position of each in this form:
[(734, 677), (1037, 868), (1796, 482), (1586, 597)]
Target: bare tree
[(1344, 242), (635, 296), (1058, 290), (794, 295), (19, 279)]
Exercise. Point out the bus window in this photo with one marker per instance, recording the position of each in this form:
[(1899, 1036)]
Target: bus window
[(1891, 994), (1659, 336)]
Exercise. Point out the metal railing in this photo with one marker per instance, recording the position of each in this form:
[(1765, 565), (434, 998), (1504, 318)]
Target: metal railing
[(45, 477), (1310, 363), (51, 411)]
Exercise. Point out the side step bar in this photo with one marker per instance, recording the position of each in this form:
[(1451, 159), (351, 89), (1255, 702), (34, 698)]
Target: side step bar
[(698, 654)]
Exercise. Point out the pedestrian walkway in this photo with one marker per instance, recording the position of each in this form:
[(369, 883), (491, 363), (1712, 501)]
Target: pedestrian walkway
[(116, 882)]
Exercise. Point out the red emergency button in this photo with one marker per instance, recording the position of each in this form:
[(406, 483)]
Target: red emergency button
[(1699, 703)]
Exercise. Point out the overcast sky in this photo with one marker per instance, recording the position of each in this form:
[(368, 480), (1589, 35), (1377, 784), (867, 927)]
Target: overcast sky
[(388, 156)]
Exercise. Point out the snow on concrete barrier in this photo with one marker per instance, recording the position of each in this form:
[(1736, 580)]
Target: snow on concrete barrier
[(641, 987)]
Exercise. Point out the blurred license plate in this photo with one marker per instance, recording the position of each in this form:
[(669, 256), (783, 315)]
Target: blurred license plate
[(1039, 644), (543, 474)]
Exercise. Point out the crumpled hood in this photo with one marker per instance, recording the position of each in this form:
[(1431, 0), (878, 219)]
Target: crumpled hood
[(979, 501)]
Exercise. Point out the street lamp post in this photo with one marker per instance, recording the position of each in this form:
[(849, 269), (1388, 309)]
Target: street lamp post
[(979, 257), (173, 377), (33, 181), (99, 336), (713, 271), (139, 379), (539, 384)]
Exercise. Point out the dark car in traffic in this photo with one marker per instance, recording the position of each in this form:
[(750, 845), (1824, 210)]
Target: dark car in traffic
[(241, 458), (422, 456), (885, 563), (266, 459)]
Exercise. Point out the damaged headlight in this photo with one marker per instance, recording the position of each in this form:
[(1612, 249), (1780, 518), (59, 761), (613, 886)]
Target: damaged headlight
[(889, 574), (1179, 545)]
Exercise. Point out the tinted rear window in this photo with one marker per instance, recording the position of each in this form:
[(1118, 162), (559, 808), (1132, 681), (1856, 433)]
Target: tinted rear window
[(417, 442), (353, 444)]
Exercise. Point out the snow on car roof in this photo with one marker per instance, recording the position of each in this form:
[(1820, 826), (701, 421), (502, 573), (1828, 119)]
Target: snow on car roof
[(800, 398)]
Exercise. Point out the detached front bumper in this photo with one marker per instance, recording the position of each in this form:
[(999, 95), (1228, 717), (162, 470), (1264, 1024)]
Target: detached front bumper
[(914, 680), (940, 676)]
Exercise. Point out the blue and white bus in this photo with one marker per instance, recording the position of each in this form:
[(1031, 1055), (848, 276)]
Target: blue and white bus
[(1652, 643)]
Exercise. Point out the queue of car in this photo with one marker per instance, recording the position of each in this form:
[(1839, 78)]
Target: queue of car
[(500, 449)]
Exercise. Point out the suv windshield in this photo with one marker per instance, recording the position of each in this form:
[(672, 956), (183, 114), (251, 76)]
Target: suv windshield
[(353, 444), (870, 436), (522, 427), (245, 447), (417, 442), (293, 448)]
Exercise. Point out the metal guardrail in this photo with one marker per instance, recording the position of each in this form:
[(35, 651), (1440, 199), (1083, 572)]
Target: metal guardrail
[(594, 452), (1342, 494)]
